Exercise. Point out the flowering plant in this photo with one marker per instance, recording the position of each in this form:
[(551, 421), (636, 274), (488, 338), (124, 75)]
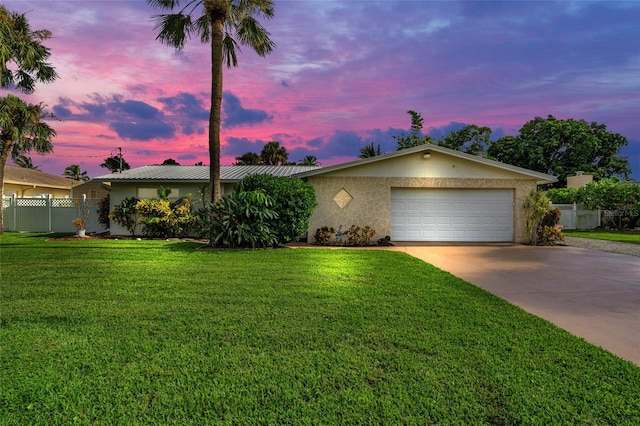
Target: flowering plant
[(79, 223)]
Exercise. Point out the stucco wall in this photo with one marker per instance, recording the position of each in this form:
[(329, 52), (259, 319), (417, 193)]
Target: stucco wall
[(370, 199)]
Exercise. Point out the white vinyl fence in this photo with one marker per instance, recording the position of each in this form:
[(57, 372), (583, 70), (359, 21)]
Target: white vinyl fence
[(575, 216), (48, 214)]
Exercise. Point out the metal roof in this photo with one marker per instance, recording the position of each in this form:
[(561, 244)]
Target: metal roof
[(228, 174), (541, 178)]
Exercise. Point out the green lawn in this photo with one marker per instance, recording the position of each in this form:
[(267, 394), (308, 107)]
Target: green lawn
[(606, 234), (154, 332)]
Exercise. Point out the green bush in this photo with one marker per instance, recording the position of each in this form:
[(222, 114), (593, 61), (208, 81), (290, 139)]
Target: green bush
[(243, 219), (549, 230), (163, 218), (563, 195), (293, 201), (103, 211), (124, 214)]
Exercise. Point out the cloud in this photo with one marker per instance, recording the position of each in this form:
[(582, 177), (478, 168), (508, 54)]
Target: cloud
[(194, 117), (235, 115), (238, 146), (143, 131)]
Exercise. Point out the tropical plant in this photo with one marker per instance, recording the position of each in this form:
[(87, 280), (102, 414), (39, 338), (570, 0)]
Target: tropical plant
[(415, 138), (23, 47), (248, 159), (115, 164), (124, 214), (24, 162), (309, 160), (549, 231), (163, 218), (243, 219), (369, 151), (79, 223), (536, 206), (21, 130), (273, 154), (294, 202), (73, 172), (225, 24)]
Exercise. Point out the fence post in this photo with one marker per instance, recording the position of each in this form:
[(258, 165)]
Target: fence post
[(49, 206), (14, 206)]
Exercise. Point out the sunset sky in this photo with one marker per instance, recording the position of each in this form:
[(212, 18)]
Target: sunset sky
[(343, 74)]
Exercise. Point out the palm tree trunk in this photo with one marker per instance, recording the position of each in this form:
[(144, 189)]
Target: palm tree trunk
[(3, 162), (216, 108)]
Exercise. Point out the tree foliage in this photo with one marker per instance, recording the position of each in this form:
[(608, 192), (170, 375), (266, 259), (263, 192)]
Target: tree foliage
[(225, 25), (124, 214), (272, 154), (294, 202), (21, 46), (24, 162), (369, 151), (309, 160), (562, 147), (75, 173), (415, 138), (115, 164), (471, 139)]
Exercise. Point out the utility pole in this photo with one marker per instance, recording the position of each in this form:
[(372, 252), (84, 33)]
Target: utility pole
[(120, 157)]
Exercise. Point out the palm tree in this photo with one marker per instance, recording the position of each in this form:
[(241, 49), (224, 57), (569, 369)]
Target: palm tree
[(273, 154), (74, 172), (369, 151), (248, 159), (226, 24), (24, 162), (21, 130), (309, 160), (23, 47)]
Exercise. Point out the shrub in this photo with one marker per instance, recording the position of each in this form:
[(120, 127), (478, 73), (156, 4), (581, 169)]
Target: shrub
[(549, 230), (243, 220), (563, 195), (163, 218), (293, 201), (124, 214), (323, 235), (536, 206), (103, 211)]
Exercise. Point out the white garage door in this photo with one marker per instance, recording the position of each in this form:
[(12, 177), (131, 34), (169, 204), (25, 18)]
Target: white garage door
[(452, 215)]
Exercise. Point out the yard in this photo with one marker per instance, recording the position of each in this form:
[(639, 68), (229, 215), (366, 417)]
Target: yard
[(157, 332), (625, 236)]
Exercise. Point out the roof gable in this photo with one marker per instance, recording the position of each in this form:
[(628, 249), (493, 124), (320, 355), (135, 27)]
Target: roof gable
[(439, 163), (23, 176)]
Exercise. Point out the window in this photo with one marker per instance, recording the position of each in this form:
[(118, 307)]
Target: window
[(144, 193)]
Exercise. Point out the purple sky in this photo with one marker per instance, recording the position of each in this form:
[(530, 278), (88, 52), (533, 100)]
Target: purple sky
[(343, 74)]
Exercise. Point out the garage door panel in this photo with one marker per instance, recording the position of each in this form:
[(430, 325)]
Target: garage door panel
[(452, 215)]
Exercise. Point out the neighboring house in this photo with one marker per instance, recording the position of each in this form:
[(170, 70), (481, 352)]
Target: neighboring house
[(92, 189), (143, 182), (22, 182), (425, 193)]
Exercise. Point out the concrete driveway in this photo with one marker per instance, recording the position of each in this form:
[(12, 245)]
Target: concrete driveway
[(592, 294)]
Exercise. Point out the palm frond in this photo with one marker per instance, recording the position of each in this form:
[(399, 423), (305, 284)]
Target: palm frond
[(229, 46), (173, 29), (251, 33)]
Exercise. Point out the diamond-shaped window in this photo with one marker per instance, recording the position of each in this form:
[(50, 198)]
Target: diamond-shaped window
[(342, 198)]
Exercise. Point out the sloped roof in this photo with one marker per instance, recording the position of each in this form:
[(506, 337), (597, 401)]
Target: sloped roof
[(228, 174), (541, 178), (32, 177)]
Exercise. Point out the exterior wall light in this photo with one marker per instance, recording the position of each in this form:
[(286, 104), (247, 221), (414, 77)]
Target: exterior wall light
[(426, 155)]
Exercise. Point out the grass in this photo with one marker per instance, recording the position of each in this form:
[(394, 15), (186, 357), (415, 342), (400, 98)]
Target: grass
[(155, 332), (625, 236)]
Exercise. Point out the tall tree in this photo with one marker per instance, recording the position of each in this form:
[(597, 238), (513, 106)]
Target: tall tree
[(369, 151), (21, 127), (471, 139), (562, 147), (225, 24), (273, 154), (21, 130), (24, 162), (74, 172), (415, 138), (115, 164)]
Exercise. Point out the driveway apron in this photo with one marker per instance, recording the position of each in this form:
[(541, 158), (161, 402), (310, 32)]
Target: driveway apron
[(592, 294)]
